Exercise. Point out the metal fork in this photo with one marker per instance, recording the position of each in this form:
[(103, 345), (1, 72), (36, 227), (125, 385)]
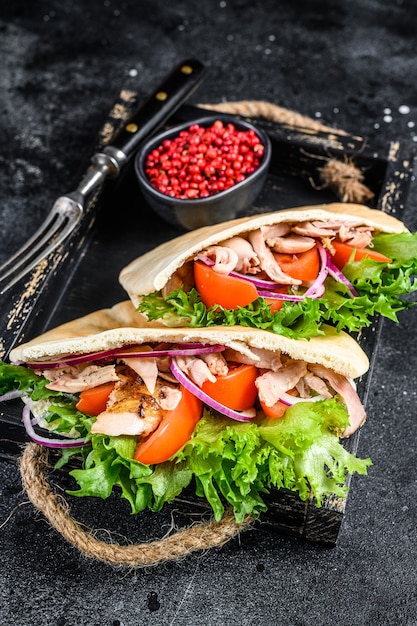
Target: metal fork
[(68, 209)]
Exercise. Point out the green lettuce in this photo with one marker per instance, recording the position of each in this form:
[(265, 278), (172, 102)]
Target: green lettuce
[(381, 289), (229, 463), (58, 409)]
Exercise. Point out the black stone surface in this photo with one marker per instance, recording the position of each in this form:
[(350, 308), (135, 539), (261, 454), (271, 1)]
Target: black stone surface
[(351, 65)]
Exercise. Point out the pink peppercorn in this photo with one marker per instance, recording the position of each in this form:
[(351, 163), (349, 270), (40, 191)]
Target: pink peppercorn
[(200, 162)]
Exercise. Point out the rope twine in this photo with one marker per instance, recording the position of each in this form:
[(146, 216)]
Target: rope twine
[(343, 177), (201, 536), (346, 180)]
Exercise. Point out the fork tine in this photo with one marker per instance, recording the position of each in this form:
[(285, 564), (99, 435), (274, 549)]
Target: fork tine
[(59, 223), (43, 234), (46, 239)]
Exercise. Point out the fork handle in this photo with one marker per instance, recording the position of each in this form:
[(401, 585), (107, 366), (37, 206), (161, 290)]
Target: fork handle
[(159, 106)]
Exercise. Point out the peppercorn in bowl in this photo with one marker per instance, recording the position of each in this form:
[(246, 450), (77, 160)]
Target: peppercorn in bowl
[(204, 172)]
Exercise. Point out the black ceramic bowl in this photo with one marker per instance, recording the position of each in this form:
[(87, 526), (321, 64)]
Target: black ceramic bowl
[(217, 207)]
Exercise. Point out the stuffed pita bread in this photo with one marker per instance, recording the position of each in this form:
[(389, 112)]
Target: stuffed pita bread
[(288, 272), (151, 410)]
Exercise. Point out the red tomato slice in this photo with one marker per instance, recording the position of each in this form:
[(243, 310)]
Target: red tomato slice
[(278, 409), (220, 289), (304, 266), (173, 432), (344, 251), (93, 401), (236, 390)]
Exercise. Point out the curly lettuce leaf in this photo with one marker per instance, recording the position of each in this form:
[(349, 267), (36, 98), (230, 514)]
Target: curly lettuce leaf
[(230, 463), (57, 410), (24, 379), (402, 248), (109, 464), (381, 288), (238, 462)]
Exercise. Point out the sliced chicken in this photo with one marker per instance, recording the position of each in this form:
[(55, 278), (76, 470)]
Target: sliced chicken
[(75, 379), (267, 260), (182, 277), (126, 423), (169, 397), (225, 259), (316, 229), (262, 358), (348, 393), (359, 237), (317, 384), (272, 385), (216, 363), (130, 389), (131, 410), (292, 244), (196, 369), (136, 416), (146, 368), (275, 230), (248, 262)]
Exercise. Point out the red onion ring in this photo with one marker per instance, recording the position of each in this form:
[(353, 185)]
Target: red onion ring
[(183, 350), (240, 416), (322, 275), (257, 282), (316, 290), (339, 276), (11, 395), (47, 441)]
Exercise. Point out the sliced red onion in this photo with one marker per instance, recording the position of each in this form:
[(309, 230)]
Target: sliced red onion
[(318, 293), (11, 395), (257, 282), (240, 416), (339, 276), (204, 259), (321, 277), (316, 290), (182, 350), (47, 441), (281, 296)]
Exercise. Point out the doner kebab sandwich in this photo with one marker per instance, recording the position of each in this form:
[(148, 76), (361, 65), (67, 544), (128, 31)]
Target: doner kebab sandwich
[(287, 272), (232, 412)]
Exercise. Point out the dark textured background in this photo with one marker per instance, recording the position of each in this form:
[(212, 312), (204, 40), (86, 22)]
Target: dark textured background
[(353, 65)]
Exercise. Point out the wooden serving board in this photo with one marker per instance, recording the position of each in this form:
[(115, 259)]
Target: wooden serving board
[(82, 275)]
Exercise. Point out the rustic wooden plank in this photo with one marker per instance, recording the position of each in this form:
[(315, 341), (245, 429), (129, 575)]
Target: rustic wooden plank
[(298, 155)]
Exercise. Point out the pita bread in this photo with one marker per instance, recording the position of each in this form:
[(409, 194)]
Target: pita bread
[(121, 326), (151, 271)]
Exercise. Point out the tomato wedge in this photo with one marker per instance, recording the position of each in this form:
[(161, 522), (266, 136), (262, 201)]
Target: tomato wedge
[(343, 252), (220, 289), (304, 266), (93, 401), (173, 432), (236, 390)]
